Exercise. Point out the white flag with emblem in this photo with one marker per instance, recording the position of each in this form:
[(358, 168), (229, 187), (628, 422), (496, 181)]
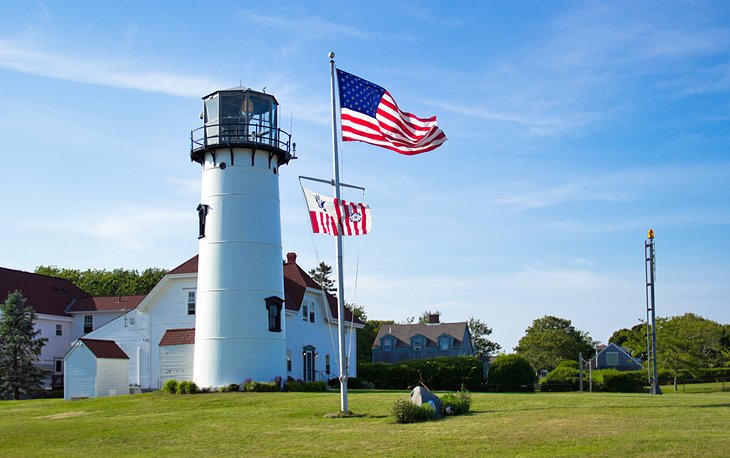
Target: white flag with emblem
[(331, 216)]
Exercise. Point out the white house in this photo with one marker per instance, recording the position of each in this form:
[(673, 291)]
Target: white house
[(158, 336), (49, 297), (96, 368)]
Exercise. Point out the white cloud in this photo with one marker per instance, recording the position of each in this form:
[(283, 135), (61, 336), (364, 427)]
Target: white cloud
[(105, 72)]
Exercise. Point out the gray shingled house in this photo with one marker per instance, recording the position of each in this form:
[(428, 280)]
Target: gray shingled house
[(401, 342), (614, 357)]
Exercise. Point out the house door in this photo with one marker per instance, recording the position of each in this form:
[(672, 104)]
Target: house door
[(310, 357)]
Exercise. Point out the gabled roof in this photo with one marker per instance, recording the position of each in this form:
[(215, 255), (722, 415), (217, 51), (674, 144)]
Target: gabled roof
[(188, 267), (106, 304), (107, 349), (48, 295), (296, 282), (404, 332), (183, 336)]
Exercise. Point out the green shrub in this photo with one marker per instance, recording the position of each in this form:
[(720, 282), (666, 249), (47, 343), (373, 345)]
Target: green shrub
[(512, 373), (615, 381), (260, 387), (565, 377), (460, 402), (444, 373), (187, 387), (404, 411), (170, 386)]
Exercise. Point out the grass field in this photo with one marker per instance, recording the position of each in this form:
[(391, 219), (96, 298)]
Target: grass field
[(293, 424)]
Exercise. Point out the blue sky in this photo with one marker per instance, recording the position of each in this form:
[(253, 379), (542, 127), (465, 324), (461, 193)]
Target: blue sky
[(573, 128)]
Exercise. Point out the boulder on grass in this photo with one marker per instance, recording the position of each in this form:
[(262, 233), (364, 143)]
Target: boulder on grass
[(421, 396)]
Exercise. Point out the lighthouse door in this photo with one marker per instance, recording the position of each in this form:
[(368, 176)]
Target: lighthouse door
[(310, 356)]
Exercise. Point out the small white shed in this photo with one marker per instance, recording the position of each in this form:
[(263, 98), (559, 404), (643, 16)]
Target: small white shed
[(95, 368), (176, 355)]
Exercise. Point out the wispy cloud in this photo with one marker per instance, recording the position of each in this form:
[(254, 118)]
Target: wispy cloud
[(308, 27), (105, 72)]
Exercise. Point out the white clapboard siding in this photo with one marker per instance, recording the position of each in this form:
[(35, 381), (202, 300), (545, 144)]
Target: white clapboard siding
[(130, 331), (112, 377), (320, 334), (176, 362), (169, 311), (79, 379)]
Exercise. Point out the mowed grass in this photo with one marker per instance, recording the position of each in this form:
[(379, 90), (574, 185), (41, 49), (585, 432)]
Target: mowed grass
[(293, 424)]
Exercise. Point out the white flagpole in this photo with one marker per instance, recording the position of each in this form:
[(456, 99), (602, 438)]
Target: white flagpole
[(338, 250)]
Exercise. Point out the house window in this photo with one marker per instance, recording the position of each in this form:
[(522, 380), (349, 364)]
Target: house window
[(59, 330), (273, 307), (58, 366), (444, 344), (311, 314), (131, 321), (611, 358), (202, 213), (417, 345), (387, 345), (305, 311), (327, 364), (88, 323), (288, 359), (191, 302)]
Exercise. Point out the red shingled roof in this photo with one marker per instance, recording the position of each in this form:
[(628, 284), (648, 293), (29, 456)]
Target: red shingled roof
[(106, 303), (104, 348), (296, 282), (184, 336), (49, 295), (188, 267)]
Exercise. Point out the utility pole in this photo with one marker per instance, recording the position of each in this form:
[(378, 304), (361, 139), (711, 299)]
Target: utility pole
[(650, 274)]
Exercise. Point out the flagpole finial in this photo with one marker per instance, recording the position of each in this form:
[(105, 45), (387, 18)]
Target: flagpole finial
[(331, 55)]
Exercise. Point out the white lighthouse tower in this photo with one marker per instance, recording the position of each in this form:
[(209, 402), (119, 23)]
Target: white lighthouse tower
[(239, 324)]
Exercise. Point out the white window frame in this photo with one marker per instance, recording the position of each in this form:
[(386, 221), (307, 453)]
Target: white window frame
[(191, 304), (88, 321), (59, 329)]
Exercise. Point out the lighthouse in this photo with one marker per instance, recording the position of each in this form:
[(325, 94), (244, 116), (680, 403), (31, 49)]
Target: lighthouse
[(239, 315)]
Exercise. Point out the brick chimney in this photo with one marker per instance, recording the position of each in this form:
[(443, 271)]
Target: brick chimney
[(434, 318), (291, 258)]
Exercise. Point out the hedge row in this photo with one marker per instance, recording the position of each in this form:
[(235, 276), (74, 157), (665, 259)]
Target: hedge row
[(445, 373)]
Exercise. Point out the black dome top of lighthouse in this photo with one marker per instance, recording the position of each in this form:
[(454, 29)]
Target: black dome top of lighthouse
[(240, 117)]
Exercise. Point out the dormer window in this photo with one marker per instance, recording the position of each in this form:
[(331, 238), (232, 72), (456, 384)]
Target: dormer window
[(417, 345), (444, 343), (273, 308), (387, 344)]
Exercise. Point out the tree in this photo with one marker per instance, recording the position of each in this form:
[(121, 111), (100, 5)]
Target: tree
[(688, 343), (20, 347), (512, 373), (633, 340), (550, 340), (101, 282), (479, 332), (321, 274)]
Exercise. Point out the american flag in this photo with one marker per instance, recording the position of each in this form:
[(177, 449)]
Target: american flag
[(370, 115), (332, 216)]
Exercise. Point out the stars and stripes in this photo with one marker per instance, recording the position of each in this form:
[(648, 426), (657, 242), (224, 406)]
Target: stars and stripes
[(370, 115), (337, 217)]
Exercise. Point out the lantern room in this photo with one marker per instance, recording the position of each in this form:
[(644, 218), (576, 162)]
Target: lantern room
[(240, 117)]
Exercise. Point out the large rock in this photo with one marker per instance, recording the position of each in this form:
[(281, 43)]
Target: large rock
[(421, 396)]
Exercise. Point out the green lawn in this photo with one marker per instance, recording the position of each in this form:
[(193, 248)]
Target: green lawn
[(276, 424)]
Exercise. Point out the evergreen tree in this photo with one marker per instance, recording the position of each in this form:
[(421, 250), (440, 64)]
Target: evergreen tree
[(20, 347), (321, 274)]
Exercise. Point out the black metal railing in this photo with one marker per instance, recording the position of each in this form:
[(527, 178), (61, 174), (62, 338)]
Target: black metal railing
[(240, 133)]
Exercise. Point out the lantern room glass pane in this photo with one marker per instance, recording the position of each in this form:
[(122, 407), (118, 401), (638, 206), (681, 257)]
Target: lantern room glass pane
[(211, 109)]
